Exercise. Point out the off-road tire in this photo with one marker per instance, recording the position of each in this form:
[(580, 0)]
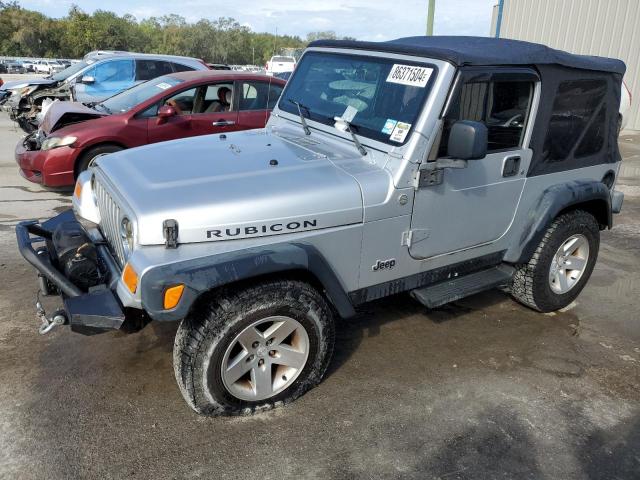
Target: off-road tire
[(89, 155), (530, 285), (206, 333)]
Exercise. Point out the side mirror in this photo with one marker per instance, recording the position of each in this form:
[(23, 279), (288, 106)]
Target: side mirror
[(164, 113), (468, 140), (88, 80)]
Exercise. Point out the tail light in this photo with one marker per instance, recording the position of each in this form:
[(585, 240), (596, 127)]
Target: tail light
[(266, 66)]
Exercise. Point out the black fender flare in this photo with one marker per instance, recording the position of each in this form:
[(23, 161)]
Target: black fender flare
[(554, 200), (200, 275)]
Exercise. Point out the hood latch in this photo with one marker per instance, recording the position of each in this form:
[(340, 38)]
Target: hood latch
[(170, 232)]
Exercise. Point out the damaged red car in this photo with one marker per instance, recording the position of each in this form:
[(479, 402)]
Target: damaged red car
[(173, 106)]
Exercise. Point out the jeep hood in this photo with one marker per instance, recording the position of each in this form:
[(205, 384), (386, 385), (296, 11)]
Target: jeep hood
[(242, 185), (61, 114)]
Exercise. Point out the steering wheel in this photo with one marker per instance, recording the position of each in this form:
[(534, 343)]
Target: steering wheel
[(513, 120)]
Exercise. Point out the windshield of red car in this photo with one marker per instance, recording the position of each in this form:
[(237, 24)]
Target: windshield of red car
[(125, 101)]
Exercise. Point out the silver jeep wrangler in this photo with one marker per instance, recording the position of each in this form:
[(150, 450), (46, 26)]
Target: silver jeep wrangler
[(439, 166)]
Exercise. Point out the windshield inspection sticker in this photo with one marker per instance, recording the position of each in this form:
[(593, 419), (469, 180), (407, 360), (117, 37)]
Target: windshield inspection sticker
[(409, 75), (163, 85), (400, 132), (389, 125)]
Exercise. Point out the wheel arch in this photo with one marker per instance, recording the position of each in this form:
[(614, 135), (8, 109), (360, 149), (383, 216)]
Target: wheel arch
[(205, 276), (88, 147), (593, 197)]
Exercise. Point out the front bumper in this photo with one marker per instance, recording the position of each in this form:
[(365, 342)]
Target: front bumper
[(51, 168), (95, 311)]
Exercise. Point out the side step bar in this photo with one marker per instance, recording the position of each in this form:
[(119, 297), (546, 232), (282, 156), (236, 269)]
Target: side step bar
[(451, 290)]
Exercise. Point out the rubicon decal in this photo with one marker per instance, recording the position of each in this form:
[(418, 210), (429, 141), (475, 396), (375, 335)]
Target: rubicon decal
[(260, 230)]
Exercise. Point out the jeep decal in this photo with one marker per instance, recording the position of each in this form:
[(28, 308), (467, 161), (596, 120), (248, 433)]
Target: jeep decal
[(259, 230), (383, 264)]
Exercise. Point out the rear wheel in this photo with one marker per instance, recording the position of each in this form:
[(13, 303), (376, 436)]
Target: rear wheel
[(561, 265), (252, 349), (90, 156)]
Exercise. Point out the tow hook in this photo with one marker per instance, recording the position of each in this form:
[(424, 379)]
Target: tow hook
[(48, 323)]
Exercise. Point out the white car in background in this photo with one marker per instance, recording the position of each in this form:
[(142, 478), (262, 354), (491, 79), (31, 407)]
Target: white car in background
[(30, 65), (280, 64), (48, 67)]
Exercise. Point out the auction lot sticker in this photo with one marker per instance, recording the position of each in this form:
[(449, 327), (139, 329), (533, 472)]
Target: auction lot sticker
[(409, 75)]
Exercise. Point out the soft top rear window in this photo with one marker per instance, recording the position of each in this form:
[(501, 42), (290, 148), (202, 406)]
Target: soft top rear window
[(386, 94), (283, 59), (578, 120)]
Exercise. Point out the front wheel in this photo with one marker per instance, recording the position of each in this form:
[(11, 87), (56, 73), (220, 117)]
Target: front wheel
[(561, 265), (251, 349)]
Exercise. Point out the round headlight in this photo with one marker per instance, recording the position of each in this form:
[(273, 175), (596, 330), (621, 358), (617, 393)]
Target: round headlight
[(126, 232)]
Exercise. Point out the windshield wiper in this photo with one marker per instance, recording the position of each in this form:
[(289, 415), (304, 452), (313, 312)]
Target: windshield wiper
[(305, 127), (349, 128), (103, 107)]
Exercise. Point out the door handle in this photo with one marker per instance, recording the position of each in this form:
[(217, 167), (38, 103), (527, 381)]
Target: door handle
[(223, 123), (511, 166)]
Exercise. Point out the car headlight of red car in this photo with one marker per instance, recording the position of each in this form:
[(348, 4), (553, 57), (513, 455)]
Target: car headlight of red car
[(55, 142)]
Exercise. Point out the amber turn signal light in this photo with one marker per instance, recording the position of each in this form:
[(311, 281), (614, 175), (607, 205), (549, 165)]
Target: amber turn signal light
[(77, 191), (130, 278), (172, 296)]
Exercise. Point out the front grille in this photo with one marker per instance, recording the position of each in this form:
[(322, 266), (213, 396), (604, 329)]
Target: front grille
[(110, 221)]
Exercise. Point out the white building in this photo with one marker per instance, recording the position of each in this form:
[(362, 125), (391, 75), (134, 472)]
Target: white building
[(610, 28)]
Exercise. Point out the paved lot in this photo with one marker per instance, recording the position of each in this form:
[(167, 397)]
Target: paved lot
[(483, 388)]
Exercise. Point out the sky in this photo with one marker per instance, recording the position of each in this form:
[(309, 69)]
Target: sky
[(363, 19)]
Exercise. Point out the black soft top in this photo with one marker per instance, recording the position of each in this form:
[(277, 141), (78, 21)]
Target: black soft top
[(482, 51)]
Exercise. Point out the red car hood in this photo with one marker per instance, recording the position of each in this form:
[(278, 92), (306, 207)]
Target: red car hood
[(61, 114)]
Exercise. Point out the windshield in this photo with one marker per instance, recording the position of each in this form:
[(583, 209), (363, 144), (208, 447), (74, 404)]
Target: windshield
[(125, 101), (67, 72), (385, 95)]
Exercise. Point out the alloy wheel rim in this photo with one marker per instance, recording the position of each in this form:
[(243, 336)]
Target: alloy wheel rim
[(265, 358), (568, 264)]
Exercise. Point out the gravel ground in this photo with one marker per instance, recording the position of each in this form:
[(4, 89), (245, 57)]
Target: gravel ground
[(482, 388)]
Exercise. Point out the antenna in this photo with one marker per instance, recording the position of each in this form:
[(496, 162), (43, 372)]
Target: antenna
[(275, 42), (266, 110)]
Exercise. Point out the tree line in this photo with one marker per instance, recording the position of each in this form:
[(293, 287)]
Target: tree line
[(27, 33)]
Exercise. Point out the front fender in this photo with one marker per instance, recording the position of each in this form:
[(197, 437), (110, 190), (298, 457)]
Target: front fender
[(554, 200), (202, 274)]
